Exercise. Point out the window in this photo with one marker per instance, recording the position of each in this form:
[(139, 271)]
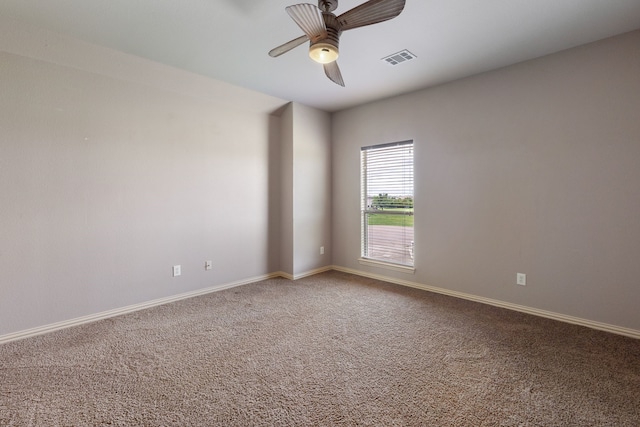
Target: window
[(387, 203)]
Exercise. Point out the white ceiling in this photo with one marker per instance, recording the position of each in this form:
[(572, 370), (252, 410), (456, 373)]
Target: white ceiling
[(229, 39)]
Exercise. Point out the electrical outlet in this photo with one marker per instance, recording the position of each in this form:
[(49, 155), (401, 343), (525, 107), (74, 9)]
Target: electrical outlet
[(321, 250), (521, 279), (208, 265), (177, 270)]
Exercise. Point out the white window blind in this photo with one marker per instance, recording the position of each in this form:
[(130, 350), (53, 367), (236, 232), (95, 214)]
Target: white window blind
[(387, 203)]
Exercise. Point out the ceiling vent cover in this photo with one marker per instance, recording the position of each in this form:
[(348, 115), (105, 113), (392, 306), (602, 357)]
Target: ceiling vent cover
[(399, 57)]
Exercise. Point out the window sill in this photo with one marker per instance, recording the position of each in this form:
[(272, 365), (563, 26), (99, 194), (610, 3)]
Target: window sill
[(386, 265)]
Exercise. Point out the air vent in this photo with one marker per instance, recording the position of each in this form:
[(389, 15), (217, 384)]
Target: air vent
[(399, 57)]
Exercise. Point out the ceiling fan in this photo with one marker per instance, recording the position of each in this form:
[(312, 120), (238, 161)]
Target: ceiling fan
[(323, 29)]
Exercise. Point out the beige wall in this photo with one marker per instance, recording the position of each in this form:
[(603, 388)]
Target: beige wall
[(286, 192), (115, 169), (534, 168), (306, 190), (311, 189)]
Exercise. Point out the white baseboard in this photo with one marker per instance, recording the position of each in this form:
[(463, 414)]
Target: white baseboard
[(633, 333), (125, 310), (305, 274), (132, 308)]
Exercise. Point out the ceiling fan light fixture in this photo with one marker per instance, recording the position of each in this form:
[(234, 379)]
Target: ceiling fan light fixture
[(323, 53), (322, 28)]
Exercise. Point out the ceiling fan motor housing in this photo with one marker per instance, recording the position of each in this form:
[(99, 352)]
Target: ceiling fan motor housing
[(327, 50), (333, 33)]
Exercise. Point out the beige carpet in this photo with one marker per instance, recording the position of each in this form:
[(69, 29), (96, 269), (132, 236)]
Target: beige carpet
[(329, 350)]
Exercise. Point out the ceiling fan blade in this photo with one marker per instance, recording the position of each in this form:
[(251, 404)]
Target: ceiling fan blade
[(277, 51), (309, 19), (333, 72), (371, 12)]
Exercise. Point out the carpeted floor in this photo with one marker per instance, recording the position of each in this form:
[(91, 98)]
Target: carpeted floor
[(328, 350)]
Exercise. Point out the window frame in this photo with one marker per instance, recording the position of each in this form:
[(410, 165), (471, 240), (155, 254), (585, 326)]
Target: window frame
[(366, 209)]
